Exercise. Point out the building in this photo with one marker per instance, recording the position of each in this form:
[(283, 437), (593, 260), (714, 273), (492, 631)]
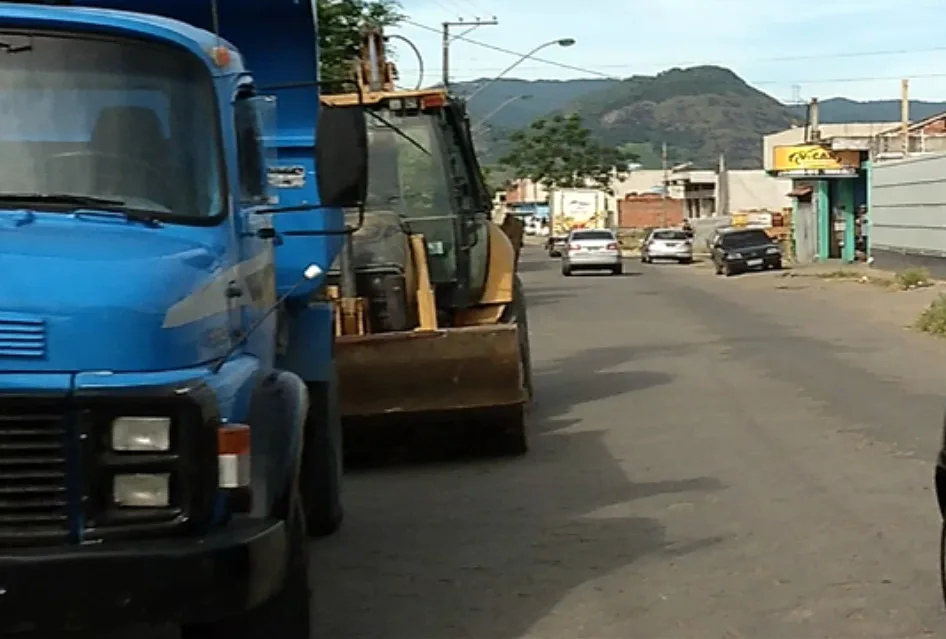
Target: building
[(830, 171), (907, 197)]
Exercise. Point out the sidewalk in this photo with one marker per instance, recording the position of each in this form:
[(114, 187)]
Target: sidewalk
[(866, 292)]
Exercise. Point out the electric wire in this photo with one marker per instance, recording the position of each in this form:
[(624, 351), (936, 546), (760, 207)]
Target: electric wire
[(609, 76)]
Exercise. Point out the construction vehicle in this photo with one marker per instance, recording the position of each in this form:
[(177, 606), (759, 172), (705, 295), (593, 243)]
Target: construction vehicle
[(430, 313), (168, 432)]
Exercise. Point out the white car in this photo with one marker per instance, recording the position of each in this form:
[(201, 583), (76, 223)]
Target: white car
[(592, 250), (667, 244)]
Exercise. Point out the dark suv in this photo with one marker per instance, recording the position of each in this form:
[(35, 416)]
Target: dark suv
[(741, 250)]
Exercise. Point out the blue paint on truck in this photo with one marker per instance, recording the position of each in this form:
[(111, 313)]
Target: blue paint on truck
[(163, 456)]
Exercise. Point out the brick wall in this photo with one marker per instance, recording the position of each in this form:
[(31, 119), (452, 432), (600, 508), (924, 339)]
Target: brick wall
[(647, 210)]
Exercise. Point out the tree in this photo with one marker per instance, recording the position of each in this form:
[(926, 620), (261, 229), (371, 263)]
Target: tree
[(341, 23), (560, 152)]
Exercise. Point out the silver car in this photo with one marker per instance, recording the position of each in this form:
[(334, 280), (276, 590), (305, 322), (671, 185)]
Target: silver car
[(667, 244), (591, 249)]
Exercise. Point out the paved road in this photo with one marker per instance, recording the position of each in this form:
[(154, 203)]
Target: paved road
[(709, 460)]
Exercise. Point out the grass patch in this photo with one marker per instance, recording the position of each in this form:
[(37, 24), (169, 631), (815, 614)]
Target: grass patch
[(913, 278), (933, 319)]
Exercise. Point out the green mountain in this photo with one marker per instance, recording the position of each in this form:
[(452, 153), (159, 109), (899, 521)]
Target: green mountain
[(699, 112)]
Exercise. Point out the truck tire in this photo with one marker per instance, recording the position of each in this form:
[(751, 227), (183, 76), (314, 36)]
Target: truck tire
[(512, 435), (322, 461), (287, 615)]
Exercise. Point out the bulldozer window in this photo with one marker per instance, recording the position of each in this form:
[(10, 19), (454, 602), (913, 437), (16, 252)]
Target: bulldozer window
[(405, 168), (408, 175)]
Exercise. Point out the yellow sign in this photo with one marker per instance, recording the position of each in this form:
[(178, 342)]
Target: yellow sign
[(814, 159)]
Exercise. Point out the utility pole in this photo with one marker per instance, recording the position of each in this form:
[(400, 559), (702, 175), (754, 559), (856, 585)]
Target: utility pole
[(663, 203), (445, 41)]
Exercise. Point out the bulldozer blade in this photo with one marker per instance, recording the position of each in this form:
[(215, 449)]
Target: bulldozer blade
[(405, 374)]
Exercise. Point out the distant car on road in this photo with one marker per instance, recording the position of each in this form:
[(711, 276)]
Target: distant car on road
[(739, 250), (667, 244), (591, 250)]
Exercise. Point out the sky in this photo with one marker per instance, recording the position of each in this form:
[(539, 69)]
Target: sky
[(858, 49)]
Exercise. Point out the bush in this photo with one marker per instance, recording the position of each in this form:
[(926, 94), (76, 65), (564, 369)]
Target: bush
[(913, 278), (933, 319)]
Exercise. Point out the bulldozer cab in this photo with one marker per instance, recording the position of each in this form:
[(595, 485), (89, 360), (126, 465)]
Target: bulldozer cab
[(419, 169)]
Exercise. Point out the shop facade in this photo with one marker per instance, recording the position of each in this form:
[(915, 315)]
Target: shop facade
[(829, 200)]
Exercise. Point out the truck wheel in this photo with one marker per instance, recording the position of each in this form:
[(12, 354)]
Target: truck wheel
[(286, 615), (322, 461)]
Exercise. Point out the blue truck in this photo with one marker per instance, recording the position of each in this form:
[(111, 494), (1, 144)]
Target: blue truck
[(169, 433)]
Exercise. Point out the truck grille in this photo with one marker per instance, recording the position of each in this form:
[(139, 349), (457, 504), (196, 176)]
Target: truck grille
[(33, 494)]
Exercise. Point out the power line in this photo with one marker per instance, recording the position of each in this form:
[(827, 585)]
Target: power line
[(723, 63), (511, 52), (600, 74)]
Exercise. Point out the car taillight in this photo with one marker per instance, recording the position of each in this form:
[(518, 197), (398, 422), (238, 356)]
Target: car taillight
[(574, 247), (612, 246)]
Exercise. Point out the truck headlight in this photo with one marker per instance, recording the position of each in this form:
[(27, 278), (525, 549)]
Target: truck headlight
[(141, 434), (142, 491)]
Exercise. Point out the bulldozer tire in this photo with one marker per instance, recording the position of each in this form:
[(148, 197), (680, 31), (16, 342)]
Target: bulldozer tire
[(512, 437), (322, 461)]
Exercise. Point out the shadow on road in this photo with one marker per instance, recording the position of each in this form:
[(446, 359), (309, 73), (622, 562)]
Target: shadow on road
[(490, 549)]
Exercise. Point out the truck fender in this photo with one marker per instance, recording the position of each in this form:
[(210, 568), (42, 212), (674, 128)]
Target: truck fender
[(277, 416)]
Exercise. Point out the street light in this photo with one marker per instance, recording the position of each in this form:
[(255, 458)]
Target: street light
[(502, 106), (563, 42)]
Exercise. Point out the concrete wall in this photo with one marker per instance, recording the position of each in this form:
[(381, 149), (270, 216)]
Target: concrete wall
[(703, 230), (754, 189), (908, 213), (637, 182)]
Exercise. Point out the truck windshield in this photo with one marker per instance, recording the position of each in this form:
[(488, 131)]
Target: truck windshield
[(121, 120)]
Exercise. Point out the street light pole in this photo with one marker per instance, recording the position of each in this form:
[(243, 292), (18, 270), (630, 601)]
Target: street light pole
[(502, 106), (563, 42)]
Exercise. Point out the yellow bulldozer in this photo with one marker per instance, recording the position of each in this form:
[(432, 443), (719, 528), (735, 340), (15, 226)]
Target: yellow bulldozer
[(430, 315)]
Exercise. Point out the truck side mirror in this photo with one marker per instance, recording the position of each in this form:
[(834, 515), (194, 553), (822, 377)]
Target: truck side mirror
[(341, 156)]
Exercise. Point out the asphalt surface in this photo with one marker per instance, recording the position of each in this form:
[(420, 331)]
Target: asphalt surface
[(708, 460)]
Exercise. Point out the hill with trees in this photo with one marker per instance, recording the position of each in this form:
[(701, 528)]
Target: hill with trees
[(699, 112)]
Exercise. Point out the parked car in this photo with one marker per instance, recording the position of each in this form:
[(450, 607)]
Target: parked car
[(667, 244), (741, 250), (591, 249)]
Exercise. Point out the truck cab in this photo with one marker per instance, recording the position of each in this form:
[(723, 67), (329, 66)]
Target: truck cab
[(166, 421)]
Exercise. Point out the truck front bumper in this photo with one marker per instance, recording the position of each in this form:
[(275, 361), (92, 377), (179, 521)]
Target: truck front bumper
[(172, 580)]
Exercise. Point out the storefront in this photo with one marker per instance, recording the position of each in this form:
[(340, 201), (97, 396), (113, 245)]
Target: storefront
[(829, 195)]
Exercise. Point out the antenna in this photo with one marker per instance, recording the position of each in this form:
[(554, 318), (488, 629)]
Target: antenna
[(215, 17)]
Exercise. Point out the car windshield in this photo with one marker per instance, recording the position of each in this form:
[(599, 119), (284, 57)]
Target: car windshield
[(592, 235), (669, 235), (118, 120), (745, 238)]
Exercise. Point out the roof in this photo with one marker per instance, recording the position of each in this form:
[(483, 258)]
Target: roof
[(197, 41), (915, 125), (800, 191)]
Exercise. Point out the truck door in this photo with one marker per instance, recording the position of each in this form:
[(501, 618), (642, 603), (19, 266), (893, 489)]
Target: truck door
[(253, 116)]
